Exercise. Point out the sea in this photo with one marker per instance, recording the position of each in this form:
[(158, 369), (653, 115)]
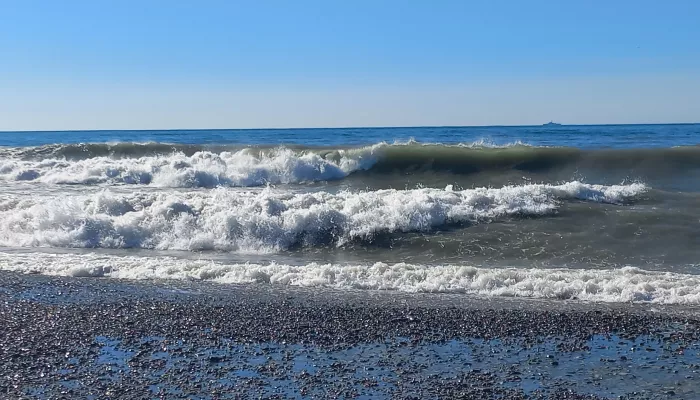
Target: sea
[(606, 213)]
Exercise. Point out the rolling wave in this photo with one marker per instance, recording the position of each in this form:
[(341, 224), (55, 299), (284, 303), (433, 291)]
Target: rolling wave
[(626, 284), (81, 151), (180, 165), (269, 220), (243, 168)]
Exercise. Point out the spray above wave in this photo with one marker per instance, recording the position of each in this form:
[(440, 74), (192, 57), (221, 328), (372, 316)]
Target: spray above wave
[(167, 165), (618, 285), (270, 221)]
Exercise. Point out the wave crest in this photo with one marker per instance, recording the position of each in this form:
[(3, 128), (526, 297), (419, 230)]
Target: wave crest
[(246, 167), (168, 165)]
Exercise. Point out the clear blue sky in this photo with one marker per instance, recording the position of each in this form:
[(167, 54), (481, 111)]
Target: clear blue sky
[(229, 64)]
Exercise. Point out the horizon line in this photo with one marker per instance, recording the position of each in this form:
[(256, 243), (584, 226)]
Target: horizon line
[(562, 125)]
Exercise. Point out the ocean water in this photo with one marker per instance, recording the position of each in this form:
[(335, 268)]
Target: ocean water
[(595, 213)]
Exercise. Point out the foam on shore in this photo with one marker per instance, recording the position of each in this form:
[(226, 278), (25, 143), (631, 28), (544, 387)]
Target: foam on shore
[(627, 284)]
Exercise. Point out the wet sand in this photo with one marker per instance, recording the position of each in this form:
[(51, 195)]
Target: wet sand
[(100, 338)]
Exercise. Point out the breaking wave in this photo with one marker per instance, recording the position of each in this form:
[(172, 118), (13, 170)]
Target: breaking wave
[(271, 220), (611, 285), (180, 165), (245, 167)]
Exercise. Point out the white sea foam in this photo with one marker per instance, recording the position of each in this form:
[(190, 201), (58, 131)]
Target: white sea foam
[(616, 285), (270, 220), (246, 167)]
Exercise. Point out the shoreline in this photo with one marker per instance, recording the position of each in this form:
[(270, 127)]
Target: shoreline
[(82, 337)]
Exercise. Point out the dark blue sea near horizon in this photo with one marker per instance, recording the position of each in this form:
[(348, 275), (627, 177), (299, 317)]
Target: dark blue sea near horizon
[(579, 136), (598, 213)]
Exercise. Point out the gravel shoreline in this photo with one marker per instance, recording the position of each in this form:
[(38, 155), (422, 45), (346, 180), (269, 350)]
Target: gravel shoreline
[(101, 338)]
